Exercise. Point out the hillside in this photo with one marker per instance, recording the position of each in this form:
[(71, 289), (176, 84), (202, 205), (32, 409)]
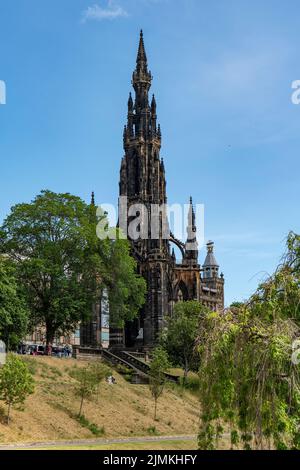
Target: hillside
[(120, 410)]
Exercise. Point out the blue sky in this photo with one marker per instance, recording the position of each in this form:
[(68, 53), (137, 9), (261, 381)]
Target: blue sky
[(222, 78)]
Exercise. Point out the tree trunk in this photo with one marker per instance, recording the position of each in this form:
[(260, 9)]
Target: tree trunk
[(49, 341), (186, 370), (81, 404), (8, 413), (155, 408)]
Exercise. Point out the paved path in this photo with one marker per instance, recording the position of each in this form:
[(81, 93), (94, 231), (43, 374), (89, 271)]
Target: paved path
[(87, 442)]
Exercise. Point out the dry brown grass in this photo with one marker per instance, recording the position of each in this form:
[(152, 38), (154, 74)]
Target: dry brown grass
[(124, 410)]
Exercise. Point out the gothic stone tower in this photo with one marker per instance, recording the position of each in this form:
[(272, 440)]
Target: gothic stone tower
[(142, 181)]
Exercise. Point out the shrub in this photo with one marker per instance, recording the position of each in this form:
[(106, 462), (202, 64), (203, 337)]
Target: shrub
[(85, 423), (192, 383), (16, 383), (152, 431)]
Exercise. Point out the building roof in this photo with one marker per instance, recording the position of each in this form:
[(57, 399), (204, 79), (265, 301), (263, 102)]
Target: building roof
[(210, 259)]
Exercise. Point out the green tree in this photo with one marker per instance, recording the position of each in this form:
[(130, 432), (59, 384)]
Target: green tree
[(179, 338), (13, 309), (247, 377), (292, 256), (88, 379), (279, 295), (63, 265), (101, 371), (16, 383), (157, 381), (127, 290)]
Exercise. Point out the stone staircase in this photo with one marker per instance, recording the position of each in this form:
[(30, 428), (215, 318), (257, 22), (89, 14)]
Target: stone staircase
[(141, 370), (139, 365), (114, 358)]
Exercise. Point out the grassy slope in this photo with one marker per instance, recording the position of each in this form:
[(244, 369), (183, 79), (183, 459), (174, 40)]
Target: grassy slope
[(123, 409)]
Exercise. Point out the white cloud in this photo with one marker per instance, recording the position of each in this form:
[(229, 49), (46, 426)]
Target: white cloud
[(109, 12)]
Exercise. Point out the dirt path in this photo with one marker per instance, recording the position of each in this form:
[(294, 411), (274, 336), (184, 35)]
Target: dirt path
[(86, 442)]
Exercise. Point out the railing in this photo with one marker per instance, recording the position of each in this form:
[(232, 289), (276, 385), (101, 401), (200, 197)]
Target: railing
[(118, 359), (142, 366), (116, 356), (86, 351)]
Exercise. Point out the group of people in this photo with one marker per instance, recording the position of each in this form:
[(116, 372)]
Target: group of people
[(62, 351), (41, 350)]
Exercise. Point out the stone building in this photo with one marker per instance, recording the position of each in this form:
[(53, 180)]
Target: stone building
[(143, 182)]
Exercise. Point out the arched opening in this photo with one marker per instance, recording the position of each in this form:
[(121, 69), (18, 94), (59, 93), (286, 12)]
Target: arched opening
[(181, 292)]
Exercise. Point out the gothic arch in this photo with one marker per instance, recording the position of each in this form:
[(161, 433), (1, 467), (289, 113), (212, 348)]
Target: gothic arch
[(181, 292)]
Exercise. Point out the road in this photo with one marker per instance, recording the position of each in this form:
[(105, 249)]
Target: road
[(87, 442)]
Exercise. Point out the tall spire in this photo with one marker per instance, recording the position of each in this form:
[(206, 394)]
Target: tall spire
[(141, 60), (140, 174), (141, 79), (153, 105), (141, 117), (93, 199), (192, 216), (92, 216), (130, 103), (191, 242), (191, 228)]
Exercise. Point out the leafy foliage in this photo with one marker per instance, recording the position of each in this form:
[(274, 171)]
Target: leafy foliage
[(16, 382), (13, 309), (180, 335), (62, 265), (49, 239), (157, 382), (88, 379), (279, 296), (84, 422), (247, 378), (126, 288)]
